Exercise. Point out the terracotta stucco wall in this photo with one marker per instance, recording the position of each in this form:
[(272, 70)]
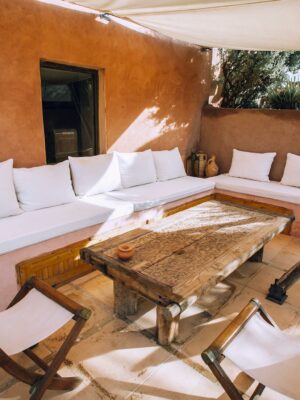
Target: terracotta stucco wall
[(154, 87), (278, 131)]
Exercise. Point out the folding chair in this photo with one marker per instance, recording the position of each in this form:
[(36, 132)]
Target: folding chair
[(37, 311), (254, 343)]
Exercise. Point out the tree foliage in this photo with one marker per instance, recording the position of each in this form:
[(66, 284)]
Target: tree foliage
[(247, 76), (285, 97)]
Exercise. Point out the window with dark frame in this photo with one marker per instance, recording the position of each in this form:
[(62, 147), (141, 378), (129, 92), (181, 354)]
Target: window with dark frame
[(70, 111)]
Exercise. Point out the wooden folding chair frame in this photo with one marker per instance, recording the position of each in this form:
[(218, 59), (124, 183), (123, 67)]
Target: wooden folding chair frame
[(51, 379), (213, 355)]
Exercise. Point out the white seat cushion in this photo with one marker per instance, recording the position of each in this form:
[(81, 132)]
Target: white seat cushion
[(44, 186), (36, 226), (136, 168), (95, 174), (254, 166), (8, 199), (291, 175), (272, 190), (158, 193), (168, 164)]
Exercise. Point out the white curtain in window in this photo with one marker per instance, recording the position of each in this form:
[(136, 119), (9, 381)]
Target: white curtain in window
[(235, 24)]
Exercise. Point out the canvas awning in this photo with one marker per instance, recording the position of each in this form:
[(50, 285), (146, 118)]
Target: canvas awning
[(235, 24)]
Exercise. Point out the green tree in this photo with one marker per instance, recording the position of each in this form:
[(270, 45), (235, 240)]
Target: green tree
[(247, 76), (285, 97)]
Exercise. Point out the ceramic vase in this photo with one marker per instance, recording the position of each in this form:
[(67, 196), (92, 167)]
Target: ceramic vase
[(212, 168), (125, 252)]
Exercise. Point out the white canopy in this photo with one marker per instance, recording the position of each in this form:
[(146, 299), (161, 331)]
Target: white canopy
[(235, 24)]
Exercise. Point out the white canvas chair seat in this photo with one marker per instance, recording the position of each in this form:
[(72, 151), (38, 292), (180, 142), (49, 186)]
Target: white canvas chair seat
[(259, 348), (36, 312), (29, 321), (268, 355)]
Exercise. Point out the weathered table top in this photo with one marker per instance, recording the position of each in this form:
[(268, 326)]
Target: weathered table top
[(188, 251)]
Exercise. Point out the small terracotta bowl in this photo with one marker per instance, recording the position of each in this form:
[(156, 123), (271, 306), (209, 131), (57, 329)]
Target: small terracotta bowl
[(125, 252)]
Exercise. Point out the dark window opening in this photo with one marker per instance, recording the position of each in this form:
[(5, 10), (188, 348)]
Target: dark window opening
[(69, 98)]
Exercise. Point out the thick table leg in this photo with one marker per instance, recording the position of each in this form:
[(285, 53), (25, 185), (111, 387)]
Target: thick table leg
[(125, 300), (258, 256), (167, 322)]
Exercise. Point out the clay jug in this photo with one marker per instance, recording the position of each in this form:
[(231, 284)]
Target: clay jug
[(212, 168)]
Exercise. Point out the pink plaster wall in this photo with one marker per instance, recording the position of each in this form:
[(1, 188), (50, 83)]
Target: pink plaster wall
[(153, 87), (223, 129)]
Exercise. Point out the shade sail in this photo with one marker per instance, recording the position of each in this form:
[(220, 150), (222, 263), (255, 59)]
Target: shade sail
[(235, 24)]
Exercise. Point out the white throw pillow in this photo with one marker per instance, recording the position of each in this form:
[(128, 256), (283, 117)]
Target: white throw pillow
[(95, 174), (254, 166), (45, 186), (291, 175), (8, 200), (169, 164), (136, 168)]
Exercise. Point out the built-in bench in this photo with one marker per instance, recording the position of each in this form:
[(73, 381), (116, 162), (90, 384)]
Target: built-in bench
[(34, 233), (49, 238), (273, 193), (159, 193)]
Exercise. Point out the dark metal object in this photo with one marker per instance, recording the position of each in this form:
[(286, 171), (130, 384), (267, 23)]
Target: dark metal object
[(277, 291), (194, 159), (258, 256)]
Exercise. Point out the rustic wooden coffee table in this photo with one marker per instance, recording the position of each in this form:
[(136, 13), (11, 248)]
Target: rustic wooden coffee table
[(181, 256)]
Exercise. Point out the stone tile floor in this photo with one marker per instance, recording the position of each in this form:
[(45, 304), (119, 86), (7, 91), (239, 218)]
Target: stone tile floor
[(119, 359)]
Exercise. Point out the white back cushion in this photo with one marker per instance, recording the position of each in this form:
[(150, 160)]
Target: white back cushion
[(45, 186), (291, 175), (254, 166), (95, 174), (136, 168), (8, 200), (169, 164)]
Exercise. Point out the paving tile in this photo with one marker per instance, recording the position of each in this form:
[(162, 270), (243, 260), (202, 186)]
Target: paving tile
[(99, 317), (293, 245), (176, 380), (86, 389), (284, 260), (7, 380), (293, 295), (100, 287), (275, 246), (118, 353), (217, 296), (294, 330), (264, 278), (245, 273), (284, 315), (193, 348)]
